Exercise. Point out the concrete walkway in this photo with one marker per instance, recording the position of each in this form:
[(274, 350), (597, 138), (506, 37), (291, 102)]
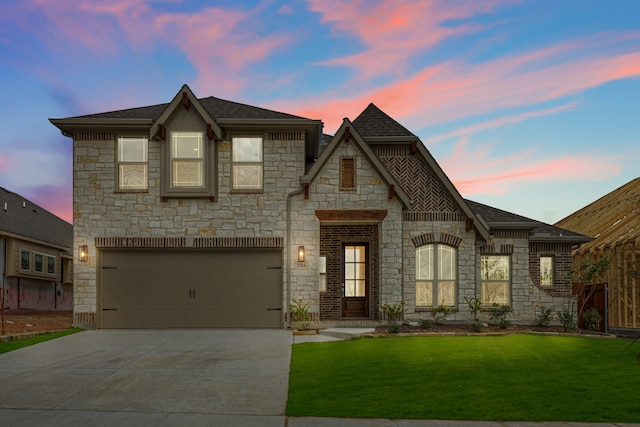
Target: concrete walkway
[(171, 378)]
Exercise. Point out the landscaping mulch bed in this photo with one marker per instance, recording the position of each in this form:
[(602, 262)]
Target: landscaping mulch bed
[(20, 321), (450, 328)]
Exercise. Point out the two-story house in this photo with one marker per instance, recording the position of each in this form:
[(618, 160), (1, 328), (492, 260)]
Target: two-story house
[(211, 213), (36, 257)]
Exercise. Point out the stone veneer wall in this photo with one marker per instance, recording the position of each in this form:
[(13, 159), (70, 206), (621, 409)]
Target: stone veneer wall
[(101, 212), (324, 193)]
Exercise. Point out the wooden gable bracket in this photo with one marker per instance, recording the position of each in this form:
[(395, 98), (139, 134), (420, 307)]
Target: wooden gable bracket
[(392, 192), (469, 224), (306, 191), (185, 100), (414, 147), (347, 134), (209, 131), (162, 132)]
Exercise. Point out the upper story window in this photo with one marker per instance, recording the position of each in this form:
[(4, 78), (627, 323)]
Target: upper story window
[(51, 265), (247, 164), (546, 270), (436, 275), (133, 164), (25, 260), (38, 263), (187, 160), (495, 279)]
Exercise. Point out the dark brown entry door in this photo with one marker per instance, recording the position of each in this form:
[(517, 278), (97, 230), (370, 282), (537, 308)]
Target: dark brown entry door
[(355, 299)]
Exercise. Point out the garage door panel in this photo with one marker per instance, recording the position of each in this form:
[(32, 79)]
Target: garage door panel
[(186, 289)]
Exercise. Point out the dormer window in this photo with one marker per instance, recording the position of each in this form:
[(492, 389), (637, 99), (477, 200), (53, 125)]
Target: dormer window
[(187, 160)]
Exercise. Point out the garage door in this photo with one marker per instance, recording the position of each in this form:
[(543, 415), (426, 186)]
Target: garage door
[(231, 288)]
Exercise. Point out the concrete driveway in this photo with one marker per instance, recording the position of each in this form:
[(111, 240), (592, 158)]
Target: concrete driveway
[(149, 378)]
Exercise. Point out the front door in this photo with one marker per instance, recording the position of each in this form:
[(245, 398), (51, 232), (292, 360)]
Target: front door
[(355, 300)]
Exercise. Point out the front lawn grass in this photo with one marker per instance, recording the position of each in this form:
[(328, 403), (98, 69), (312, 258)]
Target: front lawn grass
[(503, 378), (16, 344)]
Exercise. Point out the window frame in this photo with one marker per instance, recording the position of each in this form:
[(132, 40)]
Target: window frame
[(209, 169), (121, 162), (240, 163), (51, 265), (22, 259), (507, 282), (38, 263), (551, 277), (435, 267)]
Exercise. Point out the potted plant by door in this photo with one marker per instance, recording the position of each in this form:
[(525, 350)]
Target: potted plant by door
[(300, 317)]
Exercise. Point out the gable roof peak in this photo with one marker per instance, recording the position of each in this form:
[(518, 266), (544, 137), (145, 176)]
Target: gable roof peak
[(373, 122)]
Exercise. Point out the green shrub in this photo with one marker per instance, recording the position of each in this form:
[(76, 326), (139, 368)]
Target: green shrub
[(426, 324), (393, 328), (392, 311), (499, 313), (440, 312), (591, 319), (568, 319), (544, 317), (475, 305)]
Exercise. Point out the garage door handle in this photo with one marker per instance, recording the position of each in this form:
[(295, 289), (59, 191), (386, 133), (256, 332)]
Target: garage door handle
[(274, 268), (109, 309), (274, 309)]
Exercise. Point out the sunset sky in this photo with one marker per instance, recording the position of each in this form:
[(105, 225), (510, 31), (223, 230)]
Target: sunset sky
[(530, 106)]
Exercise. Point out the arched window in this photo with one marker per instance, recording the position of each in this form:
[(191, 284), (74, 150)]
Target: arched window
[(436, 275)]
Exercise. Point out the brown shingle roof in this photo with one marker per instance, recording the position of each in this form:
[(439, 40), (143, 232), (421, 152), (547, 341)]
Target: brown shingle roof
[(216, 107), (32, 221), (374, 122)]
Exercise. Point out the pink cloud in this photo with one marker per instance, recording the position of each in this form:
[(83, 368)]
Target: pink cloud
[(392, 32), (497, 123), (219, 43), (450, 90), (480, 172)]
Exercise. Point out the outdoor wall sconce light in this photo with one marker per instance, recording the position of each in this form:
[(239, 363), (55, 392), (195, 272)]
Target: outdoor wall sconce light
[(83, 253), (300, 253)]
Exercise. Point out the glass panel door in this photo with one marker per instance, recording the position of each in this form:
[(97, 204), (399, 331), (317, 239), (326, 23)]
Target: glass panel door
[(355, 301)]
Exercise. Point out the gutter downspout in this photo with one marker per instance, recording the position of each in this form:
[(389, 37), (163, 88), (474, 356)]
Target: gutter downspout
[(402, 258), (287, 252)]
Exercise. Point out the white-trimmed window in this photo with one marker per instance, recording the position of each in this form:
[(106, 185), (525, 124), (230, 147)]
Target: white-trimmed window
[(25, 260), (38, 263), (546, 270), (495, 280), (436, 275), (133, 163), (51, 265), (247, 164), (187, 160)]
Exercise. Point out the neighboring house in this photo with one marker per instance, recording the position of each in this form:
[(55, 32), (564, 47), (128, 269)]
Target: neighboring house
[(614, 221), (36, 257), (210, 213)]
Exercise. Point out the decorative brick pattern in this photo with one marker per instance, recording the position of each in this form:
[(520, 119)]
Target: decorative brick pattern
[(425, 239), (417, 180), (140, 242), (238, 242), (94, 136)]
